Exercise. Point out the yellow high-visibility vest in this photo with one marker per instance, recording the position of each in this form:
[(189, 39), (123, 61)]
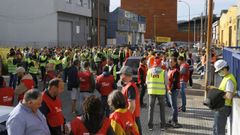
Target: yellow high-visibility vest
[(11, 67), (156, 83), (223, 84)]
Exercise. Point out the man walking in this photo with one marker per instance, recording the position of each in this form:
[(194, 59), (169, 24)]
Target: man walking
[(73, 83)]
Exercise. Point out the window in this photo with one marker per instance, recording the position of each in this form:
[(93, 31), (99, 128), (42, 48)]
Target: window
[(69, 1), (80, 3), (77, 29), (89, 4), (87, 21)]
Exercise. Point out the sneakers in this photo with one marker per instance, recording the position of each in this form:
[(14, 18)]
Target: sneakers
[(181, 109), (150, 128), (176, 125)]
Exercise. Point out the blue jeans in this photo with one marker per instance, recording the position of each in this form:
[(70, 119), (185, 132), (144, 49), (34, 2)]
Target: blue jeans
[(174, 97), (106, 110), (220, 120), (183, 95), (13, 80)]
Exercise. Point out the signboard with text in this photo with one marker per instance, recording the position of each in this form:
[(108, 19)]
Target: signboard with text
[(163, 39)]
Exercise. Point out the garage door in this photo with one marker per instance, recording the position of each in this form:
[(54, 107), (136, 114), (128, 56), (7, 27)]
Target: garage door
[(64, 33)]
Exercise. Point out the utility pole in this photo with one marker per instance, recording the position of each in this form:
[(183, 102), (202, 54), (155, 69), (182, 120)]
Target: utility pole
[(194, 31), (205, 23), (201, 38), (98, 23), (208, 45)]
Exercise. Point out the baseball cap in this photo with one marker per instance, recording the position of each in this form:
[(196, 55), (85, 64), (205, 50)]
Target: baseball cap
[(126, 70), (20, 70)]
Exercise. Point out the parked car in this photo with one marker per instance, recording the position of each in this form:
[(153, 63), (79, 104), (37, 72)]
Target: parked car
[(133, 62), (4, 112)]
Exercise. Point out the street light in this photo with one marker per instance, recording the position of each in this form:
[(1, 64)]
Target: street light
[(188, 21)]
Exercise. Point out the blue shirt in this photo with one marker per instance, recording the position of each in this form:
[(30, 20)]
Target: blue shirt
[(22, 121)]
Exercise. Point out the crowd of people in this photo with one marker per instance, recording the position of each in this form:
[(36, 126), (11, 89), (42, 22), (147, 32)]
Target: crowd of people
[(162, 74)]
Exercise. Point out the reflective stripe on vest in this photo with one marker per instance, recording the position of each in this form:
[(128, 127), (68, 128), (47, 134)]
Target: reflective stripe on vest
[(115, 72), (182, 54), (223, 87), (156, 83)]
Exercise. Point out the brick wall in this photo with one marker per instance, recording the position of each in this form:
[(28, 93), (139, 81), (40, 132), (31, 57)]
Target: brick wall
[(165, 12)]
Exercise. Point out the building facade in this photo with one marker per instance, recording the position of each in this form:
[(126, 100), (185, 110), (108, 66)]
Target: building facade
[(45, 23), (238, 24), (103, 15), (215, 33), (161, 18), (125, 27), (228, 27)]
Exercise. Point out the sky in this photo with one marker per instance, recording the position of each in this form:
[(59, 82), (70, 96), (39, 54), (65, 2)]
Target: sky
[(197, 6)]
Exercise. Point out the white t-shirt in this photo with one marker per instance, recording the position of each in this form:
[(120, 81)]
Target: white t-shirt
[(229, 86)]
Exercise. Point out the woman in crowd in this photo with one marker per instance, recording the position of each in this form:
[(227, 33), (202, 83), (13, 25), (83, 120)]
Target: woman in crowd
[(122, 120), (92, 121)]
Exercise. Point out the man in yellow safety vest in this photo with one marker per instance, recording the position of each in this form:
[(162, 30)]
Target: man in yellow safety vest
[(156, 85)]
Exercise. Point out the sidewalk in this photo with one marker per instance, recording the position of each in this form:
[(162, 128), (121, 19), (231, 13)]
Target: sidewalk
[(197, 120)]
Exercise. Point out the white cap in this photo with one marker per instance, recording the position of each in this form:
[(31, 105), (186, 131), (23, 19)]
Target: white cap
[(220, 64), (20, 70)]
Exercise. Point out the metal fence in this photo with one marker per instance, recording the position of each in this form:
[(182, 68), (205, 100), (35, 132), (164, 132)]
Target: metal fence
[(232, 56)]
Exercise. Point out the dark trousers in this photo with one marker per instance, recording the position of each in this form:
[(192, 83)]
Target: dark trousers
[(152, 100), (65, 74), (43, 72), (35, 80), (105, 106), (190, 79), (98, 68), (143, 91), (138, 122), (174, 97), (13, 80)]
